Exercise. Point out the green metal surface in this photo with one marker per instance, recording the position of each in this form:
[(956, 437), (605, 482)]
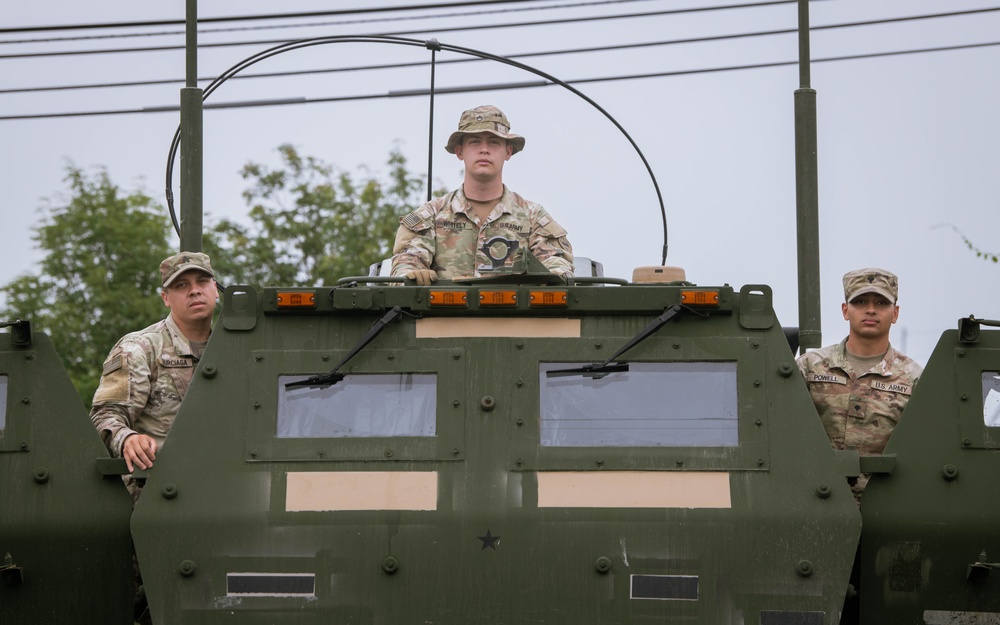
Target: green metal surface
[(216, 511), (938, 513), (65, 554)]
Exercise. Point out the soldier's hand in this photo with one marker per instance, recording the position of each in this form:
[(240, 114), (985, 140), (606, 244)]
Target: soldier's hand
[(423, 277), (139, 450)]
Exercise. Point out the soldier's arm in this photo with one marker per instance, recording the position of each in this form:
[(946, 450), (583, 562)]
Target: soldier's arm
[(549, 243), (121, 395), (415, 245)]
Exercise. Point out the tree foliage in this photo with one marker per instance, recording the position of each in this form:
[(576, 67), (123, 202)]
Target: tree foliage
[(99, 279), (310, 223), (987, 256), (99, 276)]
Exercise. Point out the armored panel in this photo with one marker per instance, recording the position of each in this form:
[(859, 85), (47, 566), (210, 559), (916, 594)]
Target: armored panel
[(64, 527), (930, 547), (473, 461)]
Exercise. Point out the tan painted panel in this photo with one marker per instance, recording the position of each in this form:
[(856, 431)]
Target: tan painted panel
[(503, 327), (382, 490), (634, 489)]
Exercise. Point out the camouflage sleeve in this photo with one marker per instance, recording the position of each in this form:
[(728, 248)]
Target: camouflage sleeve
[(121, 394), (415, 244), (550, 245)]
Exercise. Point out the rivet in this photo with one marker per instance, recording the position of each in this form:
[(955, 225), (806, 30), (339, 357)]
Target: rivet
[(187, 568), (390, 565), (41, 475)]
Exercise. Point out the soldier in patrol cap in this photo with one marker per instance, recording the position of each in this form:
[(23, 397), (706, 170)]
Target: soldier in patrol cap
[(446, 237), (861, 385), (148, 372)]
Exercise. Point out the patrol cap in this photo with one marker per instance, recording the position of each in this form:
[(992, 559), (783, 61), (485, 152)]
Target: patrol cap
[(177, 264), (484, 119), (871, 280)]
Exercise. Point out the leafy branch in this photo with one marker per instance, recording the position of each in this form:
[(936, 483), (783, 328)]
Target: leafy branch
[(975, 250)]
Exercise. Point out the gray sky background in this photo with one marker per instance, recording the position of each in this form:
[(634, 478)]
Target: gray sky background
[(907, 143)]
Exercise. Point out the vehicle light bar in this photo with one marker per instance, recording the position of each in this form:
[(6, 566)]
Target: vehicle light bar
[(550, 297), (705, 297), (449, 298), (296, 299), (498, 298)]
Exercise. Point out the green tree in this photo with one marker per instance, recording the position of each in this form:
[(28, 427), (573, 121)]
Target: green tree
[(311, 223), (98, 278)]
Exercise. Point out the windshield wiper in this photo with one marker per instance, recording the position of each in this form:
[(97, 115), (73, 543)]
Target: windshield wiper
[(329, 379), (598, 370)]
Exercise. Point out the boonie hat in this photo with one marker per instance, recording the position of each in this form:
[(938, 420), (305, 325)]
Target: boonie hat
[(484, 119), (871, 280), (177, 264)]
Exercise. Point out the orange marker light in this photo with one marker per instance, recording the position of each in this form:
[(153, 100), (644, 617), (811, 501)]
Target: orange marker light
[(548, 298), (449, 298), (700, 298), (498, 298), (296, 299)]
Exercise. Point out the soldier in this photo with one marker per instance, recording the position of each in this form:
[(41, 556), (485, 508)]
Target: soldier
[(148, 372), (861, 385), (445, 237)]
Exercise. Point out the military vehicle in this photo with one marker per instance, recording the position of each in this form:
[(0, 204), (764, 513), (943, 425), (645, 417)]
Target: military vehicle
[(509, 449)]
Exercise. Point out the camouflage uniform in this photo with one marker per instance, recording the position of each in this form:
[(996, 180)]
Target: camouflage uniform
[(858, 411), (443, 235), (144, 380)]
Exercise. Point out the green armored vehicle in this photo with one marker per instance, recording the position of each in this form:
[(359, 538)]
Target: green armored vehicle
[(511, 450)]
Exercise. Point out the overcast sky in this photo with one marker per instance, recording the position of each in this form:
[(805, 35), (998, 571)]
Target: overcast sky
[(907, 143)]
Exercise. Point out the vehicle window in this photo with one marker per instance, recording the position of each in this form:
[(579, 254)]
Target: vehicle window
[(359, 406), (3, 402), (676, 404), (991, 398)]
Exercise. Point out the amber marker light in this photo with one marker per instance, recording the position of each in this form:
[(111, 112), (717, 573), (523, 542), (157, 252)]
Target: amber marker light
[(296, 299), (498, 298), (700, 298), (548, 298), (449, 298)]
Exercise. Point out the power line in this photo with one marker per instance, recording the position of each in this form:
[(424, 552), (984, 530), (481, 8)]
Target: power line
[(509, 25), (243, 18), (146, 83), (490, 87), (209, 31), (267, 42)]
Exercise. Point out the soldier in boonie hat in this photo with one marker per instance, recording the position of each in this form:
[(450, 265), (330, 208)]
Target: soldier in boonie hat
[(872, 280), (449, 236), (484, 119), (177, 264)]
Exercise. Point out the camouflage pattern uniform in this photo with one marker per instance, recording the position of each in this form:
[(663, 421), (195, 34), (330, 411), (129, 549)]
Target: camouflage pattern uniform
[(145, 377), (443, 235), (858, 411)]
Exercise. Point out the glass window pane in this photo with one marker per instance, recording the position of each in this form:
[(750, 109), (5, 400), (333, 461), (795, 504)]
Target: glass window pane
[(3, 402), (359, 406), (991, 398), (677, 404)]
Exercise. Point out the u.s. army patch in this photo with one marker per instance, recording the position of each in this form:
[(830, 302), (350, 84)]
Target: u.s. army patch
[(902, 389)]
